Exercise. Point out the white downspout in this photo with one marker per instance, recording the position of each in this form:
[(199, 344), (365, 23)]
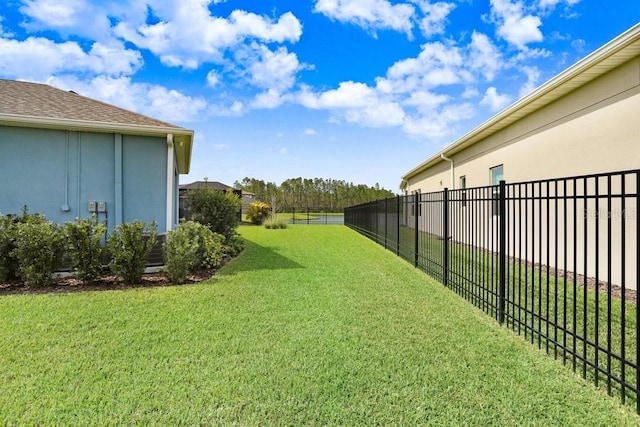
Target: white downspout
[(453, 182), (170, 179)]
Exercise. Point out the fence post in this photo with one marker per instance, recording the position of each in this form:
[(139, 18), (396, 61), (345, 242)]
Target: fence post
[(637, 278), (502, 218), (445, 238), (416, 201), (398, 229), (386, 211)]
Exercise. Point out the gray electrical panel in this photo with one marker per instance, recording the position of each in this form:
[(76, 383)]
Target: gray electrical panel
[(97, 206)]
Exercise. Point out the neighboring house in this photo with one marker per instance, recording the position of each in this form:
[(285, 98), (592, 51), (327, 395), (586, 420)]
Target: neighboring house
[(198, 185), (247, 199), (584, 121), (67, 156)]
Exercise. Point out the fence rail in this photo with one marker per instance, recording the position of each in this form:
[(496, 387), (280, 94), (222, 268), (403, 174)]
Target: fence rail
[(313, 215), (555, 260)]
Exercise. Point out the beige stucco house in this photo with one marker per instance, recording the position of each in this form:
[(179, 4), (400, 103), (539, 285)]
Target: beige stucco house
[(584, 121)]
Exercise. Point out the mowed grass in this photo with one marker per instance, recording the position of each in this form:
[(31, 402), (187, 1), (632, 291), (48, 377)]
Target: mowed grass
[(311, 325)]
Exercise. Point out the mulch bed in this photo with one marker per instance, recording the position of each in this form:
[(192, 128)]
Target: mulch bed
[(106, 283)]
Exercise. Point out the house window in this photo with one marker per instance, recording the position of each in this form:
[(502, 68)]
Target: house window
[(497, 175), (463, 187), (413, 204)]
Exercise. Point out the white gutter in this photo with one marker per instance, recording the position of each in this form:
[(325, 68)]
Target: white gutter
[(453, 182), (170, 183)]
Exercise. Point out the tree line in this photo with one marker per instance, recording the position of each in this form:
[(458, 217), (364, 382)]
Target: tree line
[(331, 195)]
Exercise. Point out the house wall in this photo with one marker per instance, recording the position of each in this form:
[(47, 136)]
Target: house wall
[(594, 129), (144, 179), (57, 173)]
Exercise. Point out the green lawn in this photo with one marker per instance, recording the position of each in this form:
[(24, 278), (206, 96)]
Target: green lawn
[(533, 295), (309, 326)]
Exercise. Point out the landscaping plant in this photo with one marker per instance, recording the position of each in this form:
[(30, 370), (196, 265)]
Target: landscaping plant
[(189, 247), (275, 224), (258, 212), (38, 249), (8, 265), (215, 209), (83, 238), (129, 248)]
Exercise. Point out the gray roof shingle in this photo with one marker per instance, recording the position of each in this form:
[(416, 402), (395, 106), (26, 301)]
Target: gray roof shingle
[(40, 100)]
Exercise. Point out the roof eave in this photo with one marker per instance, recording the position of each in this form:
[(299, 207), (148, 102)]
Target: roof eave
[(608, 57)]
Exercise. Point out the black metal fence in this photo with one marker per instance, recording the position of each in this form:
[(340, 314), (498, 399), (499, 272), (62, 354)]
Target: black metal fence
[(555, 260), (314, 215)]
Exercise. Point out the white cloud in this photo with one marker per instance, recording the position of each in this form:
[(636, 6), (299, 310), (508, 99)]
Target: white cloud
[(436, 65), (382, 114), (309, 132), (17, 59), (435, 16), (272, 70), (418, 94), (493, 100), (152, 100), (213, 78), (470, 92), (269, 99), (551, 4), (579, 45), (513, 25), (235, 109), (221, 147), (369, 14), (425, 101), (77, 17), (188, 35), (348, 95), (485, 56), (533, 77)]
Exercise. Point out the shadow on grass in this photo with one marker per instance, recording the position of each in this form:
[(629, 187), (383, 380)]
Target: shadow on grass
[(256, 257)]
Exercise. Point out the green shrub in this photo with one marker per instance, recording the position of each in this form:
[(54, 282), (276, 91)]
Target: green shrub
[(275, 224), (212, 248), (129, 248), (216, 210), (180, 254), (39, 249), (258, 212), (233, 245), (84, 249), (8, 231), (189, 247), (8, 265)]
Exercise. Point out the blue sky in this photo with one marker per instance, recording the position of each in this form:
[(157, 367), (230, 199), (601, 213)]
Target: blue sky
[(359, 90)]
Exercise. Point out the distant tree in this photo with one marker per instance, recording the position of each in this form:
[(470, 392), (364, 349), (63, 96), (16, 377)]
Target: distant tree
[(216, 210), (333, 195)]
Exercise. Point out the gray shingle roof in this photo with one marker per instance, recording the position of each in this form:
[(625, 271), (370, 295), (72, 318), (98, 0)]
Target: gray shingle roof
[(213, 185), (41, 100)]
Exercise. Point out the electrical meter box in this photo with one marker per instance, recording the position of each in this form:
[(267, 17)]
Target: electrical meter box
[(102, 206), (91, 206)]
